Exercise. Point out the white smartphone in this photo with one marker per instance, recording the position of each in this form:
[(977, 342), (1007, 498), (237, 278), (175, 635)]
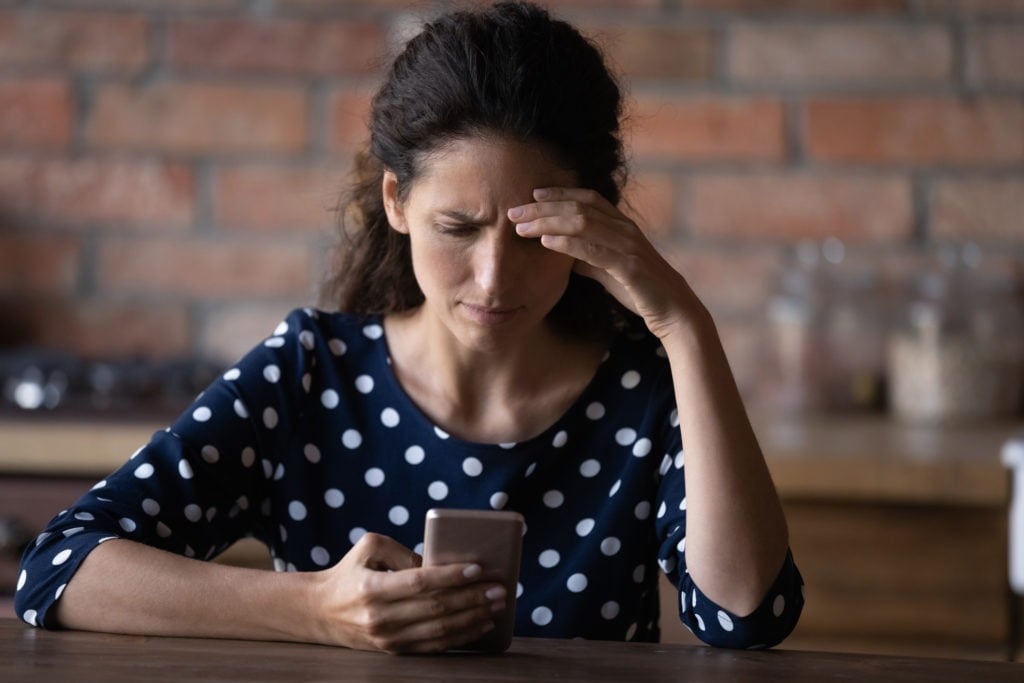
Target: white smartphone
[(491, 538)]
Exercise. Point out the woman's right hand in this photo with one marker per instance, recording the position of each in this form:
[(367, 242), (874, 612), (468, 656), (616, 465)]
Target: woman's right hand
[(380, 597)]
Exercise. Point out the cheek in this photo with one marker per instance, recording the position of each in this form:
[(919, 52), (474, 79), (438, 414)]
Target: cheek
[(434, 263)]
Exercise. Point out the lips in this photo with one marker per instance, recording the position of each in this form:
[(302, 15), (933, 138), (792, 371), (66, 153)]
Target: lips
[(490, 315)]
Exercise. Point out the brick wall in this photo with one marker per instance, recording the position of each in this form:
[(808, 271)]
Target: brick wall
[(167, 167)]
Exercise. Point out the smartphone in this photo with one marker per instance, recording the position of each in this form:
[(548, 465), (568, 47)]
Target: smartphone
[(491, 538)]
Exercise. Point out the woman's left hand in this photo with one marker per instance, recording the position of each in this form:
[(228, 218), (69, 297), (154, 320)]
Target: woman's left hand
[(610, 248)]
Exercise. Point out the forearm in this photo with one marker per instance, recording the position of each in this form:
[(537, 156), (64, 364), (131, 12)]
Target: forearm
[(736, 537), (127, 587)]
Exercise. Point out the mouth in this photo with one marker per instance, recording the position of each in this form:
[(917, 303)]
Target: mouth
[(490, 315)]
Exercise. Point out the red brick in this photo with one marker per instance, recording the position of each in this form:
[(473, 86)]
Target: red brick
[(200, 118), (232, 329), (265, 197), (974, 8), (650, 200), (995, 55), (978, 209), (726, 279), (278, 46), (79, 41), (35, 112), (34, 264), (771, 206), (832, 54), (643, 52), (706, 129), (917, 130), (207, 269), (87, 191), (350, 117), (811, 6), (93, 328)]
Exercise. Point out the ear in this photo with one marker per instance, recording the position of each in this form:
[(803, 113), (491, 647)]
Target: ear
[(392, 205)]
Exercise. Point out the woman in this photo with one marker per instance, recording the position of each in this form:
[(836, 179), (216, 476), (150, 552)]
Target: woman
[(509, 340)]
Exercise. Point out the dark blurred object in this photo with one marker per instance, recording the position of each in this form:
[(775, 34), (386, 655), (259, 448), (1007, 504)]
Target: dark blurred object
[(40, 380)]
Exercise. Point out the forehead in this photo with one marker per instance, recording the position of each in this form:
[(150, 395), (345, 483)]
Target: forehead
[(486, 171)]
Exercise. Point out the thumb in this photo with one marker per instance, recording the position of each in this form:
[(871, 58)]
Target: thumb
[(383, 553)]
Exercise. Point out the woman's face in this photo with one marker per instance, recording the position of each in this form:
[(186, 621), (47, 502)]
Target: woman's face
[(483, 282)]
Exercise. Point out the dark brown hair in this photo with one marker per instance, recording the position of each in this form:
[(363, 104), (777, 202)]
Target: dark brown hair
[(509, 70)]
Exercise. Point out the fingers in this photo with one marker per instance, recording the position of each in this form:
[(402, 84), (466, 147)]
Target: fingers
[(379, 552)]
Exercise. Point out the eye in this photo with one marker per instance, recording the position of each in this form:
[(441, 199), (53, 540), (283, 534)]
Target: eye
[(455, 230)]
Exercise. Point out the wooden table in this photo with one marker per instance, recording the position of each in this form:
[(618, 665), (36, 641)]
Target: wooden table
[(31, 655)]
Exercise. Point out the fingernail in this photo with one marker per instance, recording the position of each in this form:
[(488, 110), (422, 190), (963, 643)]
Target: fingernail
[(522, 228), (495, 593), (497, 607), (488, 627), (541, 193), (472, 571), (515, 212)]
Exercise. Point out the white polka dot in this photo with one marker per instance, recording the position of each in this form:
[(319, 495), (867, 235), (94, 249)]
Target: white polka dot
[(373, 331), (151, 507), (673, 418), (508, 445), (681, 546), (661, 510), (561, 438), (682, 503), (98, 485), (184, 469), (274, 343), (22, 578), (240, 409), (630, 379), (584, 527), (472, 467), (320, 556), (144, 471), (438, 490), (296, 510), (60, 591), (666, 465), (441, 434), (541, 616), (84, 516), (334, 498), (595, 411), (202, 414), (590, 468), (356, 534), (270, 418), (72, 531), (642, 447), (667, 565), (549, 558), (615, 488), (329, 399), (631, 631), (642, 510), (210, 454), (577, 583), (127, 524), (364, 384), (418, 548), (307, 382), (519, 590), (268, 468), (272, 374), (554, 498), (30, 617), (778, 605), (337, 347), (311, 452), (610, 546), (389, 417), (374, 476), (724, 620), (193, 513), (530, 469), (625, 436), (162, 530), (398, 515), (248, 456), (639, 573), (351, 439), (700, 622), (232, 374), (307, 340), (282, 328), (414, 455), (499, 500), (610, 609)]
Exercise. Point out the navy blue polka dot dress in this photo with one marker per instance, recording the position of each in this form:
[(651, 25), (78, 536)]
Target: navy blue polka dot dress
[(309, 442)]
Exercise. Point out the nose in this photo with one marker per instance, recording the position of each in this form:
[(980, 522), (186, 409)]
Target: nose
[(495, 260)]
